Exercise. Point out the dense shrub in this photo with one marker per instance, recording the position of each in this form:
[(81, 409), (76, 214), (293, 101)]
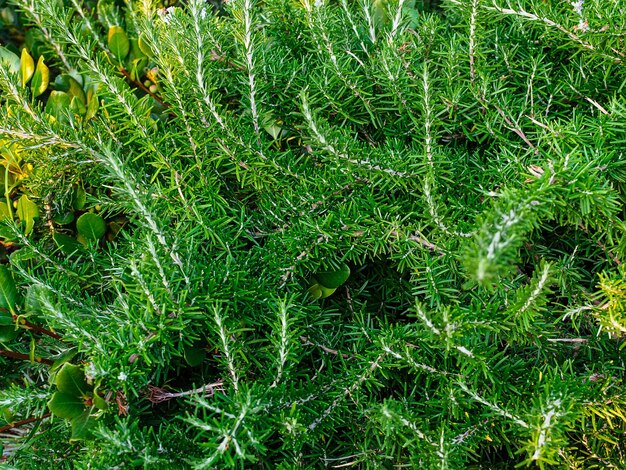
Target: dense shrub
[(312, 234)]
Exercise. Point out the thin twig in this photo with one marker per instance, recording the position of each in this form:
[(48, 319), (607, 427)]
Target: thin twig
[(25, 357), (159, 395), (40, 329), (568, 340), (17, 424), (140, 85), (334, 352), (514, 128)]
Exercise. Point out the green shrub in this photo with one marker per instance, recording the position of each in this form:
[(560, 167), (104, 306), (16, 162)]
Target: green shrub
[(312, 233)]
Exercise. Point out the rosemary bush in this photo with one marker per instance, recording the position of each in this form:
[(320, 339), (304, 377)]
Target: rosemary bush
[(313, 234)]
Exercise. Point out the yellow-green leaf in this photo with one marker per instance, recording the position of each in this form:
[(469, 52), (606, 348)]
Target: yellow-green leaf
[(41, 78), (118, 42), (27, 211), (58, 106), (5, 213), (27, 67), (71, 86), (144, 45), (92, 105)]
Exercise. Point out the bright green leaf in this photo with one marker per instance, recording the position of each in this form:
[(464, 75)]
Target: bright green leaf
[(64, 218), (144, 46), (65, 357), (67, 244), (91, 226), (80, 198), (99, 402), (77, 106), (118, 42), (93, 103)]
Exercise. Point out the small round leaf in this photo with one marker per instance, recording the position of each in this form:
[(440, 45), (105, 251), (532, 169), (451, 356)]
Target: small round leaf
[(91, 226)]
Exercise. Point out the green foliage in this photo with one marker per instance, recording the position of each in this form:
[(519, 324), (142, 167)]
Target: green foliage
[(312, 233)]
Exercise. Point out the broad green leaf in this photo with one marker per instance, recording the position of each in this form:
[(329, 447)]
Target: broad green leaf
[(144, 46), (82, 426), (99, 402), (91, 226), (6, 319), (77, 106), (58, 106), (380, 15), (118, 42), (70, 85), (41, 79), (8, 291), (333, 279), (33, 299), (270, 126), (27, 67), (66, 405), (23, 254), (65, 357), (9, 60), (27, 211), (315, 290), (71, 379), (80, 198), (64, 218), (7, 327), (194, 354), (7, 333), (67, 244)]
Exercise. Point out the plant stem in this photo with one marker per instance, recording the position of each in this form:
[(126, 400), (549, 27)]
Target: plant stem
[(141, 85), (17, 424), (25, 357), (6, 190), (40, 329), (31, 326)]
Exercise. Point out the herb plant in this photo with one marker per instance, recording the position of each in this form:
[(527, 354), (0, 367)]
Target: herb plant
[(312, 233)]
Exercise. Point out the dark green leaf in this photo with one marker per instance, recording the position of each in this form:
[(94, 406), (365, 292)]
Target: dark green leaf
[(8, 291), (71, 379), (66, 405)]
